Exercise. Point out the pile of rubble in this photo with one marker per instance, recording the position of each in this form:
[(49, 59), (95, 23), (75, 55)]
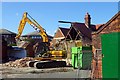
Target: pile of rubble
[(19, 63)]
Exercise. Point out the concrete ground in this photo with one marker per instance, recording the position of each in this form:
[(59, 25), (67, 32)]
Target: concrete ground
[(28, 72)]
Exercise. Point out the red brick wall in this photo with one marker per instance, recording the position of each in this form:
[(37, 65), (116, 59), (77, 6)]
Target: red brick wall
[(86, 41), (97, 69), (114, 26), (58, 34)]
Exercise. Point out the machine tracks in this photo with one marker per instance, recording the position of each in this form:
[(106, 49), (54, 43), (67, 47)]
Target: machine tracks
[(46, 64)]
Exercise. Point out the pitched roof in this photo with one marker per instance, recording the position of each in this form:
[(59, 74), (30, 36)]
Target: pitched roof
[(64, 30), (83, 29), (5, 31), (95, 27), (105, 25), (35, 33), (98, 26)]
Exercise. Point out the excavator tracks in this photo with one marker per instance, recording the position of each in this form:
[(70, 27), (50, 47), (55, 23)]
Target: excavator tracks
[(46, 64)]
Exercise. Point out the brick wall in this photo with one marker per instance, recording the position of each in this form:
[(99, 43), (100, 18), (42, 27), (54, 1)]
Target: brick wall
[(58, 34), (114, 26)]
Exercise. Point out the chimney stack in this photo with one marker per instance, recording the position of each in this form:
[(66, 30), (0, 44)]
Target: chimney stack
[(87, 20)]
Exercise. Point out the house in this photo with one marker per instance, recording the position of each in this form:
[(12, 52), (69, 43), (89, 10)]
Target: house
[(82, 31), (79, 31), (8, 36), (61, 33), (34, 36), (80, 34), (59, 38), (3, 50), (32, 42), (112, 26)]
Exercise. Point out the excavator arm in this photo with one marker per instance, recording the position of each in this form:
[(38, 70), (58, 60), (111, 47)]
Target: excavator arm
[(34, 24), (41, 49)]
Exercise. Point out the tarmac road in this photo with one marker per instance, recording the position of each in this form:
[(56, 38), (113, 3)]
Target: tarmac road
[(71, 74), (64, 72)]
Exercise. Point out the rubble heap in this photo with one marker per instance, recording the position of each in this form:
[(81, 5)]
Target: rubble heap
[(19, 63)]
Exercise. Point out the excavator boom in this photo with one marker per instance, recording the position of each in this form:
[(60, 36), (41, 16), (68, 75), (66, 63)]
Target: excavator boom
[(46, 58), (34, 24)]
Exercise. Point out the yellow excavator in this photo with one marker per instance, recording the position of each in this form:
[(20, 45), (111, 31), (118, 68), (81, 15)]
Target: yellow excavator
[(52, 56), (28, 19), (34, 24)]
